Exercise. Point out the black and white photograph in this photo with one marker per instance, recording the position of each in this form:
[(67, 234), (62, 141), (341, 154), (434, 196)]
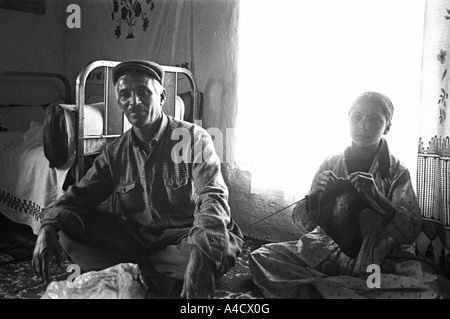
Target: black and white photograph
[(227, 155)]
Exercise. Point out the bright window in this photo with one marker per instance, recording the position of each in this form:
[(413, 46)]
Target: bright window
[(301, 64)]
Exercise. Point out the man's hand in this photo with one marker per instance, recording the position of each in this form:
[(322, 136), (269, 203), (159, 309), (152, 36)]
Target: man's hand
[(199, 277), (47, 245)]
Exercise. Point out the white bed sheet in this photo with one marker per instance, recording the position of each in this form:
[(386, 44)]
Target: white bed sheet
[(27, 183)]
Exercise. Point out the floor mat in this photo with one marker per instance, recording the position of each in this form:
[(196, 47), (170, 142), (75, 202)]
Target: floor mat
[(18, 281), (16, 242)]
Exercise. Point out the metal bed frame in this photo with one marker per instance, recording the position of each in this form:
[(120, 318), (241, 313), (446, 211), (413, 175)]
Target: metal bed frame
[(58, 76)]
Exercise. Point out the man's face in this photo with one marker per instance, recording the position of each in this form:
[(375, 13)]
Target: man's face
[(141, 98)]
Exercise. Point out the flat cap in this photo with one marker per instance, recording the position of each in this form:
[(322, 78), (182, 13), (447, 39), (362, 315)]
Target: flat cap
[(149, 67)]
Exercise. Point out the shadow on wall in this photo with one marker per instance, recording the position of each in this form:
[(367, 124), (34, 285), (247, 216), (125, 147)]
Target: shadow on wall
[(247, 208)]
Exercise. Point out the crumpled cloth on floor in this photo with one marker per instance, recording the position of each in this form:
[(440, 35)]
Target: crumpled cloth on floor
[(122, 281)]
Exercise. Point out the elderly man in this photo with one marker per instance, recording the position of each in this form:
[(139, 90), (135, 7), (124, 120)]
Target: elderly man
[(175, 220)]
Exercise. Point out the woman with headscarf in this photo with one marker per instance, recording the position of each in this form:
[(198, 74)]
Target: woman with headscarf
[(360, 218)]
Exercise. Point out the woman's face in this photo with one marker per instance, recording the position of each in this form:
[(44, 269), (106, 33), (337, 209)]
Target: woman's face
[(367, 122)]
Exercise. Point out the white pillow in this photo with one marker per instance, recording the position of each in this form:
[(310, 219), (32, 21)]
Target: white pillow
[(179, 108), (93, 117), (93, 123)]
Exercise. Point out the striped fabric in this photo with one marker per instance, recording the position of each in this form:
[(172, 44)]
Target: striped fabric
[(433, 156), (433, 191), (178, 184)]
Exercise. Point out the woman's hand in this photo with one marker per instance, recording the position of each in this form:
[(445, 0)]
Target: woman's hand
[(199, 277), (364, 185), (326, 180), (47, 245)]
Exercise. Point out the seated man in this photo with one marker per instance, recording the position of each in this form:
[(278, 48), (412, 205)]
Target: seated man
[(371, 227), (175, 220)]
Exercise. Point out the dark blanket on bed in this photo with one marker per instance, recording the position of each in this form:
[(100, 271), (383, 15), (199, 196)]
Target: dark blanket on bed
[(55, 136)]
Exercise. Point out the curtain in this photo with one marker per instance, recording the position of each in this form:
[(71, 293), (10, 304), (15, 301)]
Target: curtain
[(433, 170)]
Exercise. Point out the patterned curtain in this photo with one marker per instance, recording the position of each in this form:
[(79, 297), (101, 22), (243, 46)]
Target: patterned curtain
[(433, 171)]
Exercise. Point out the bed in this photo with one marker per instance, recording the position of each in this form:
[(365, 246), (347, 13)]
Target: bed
[(27, 184), (47, 146)]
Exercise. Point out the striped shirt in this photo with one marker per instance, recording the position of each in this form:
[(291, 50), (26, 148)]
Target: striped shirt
[(178, 184)]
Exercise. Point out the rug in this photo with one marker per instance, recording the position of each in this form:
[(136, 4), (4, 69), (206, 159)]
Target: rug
[(18, 281)]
